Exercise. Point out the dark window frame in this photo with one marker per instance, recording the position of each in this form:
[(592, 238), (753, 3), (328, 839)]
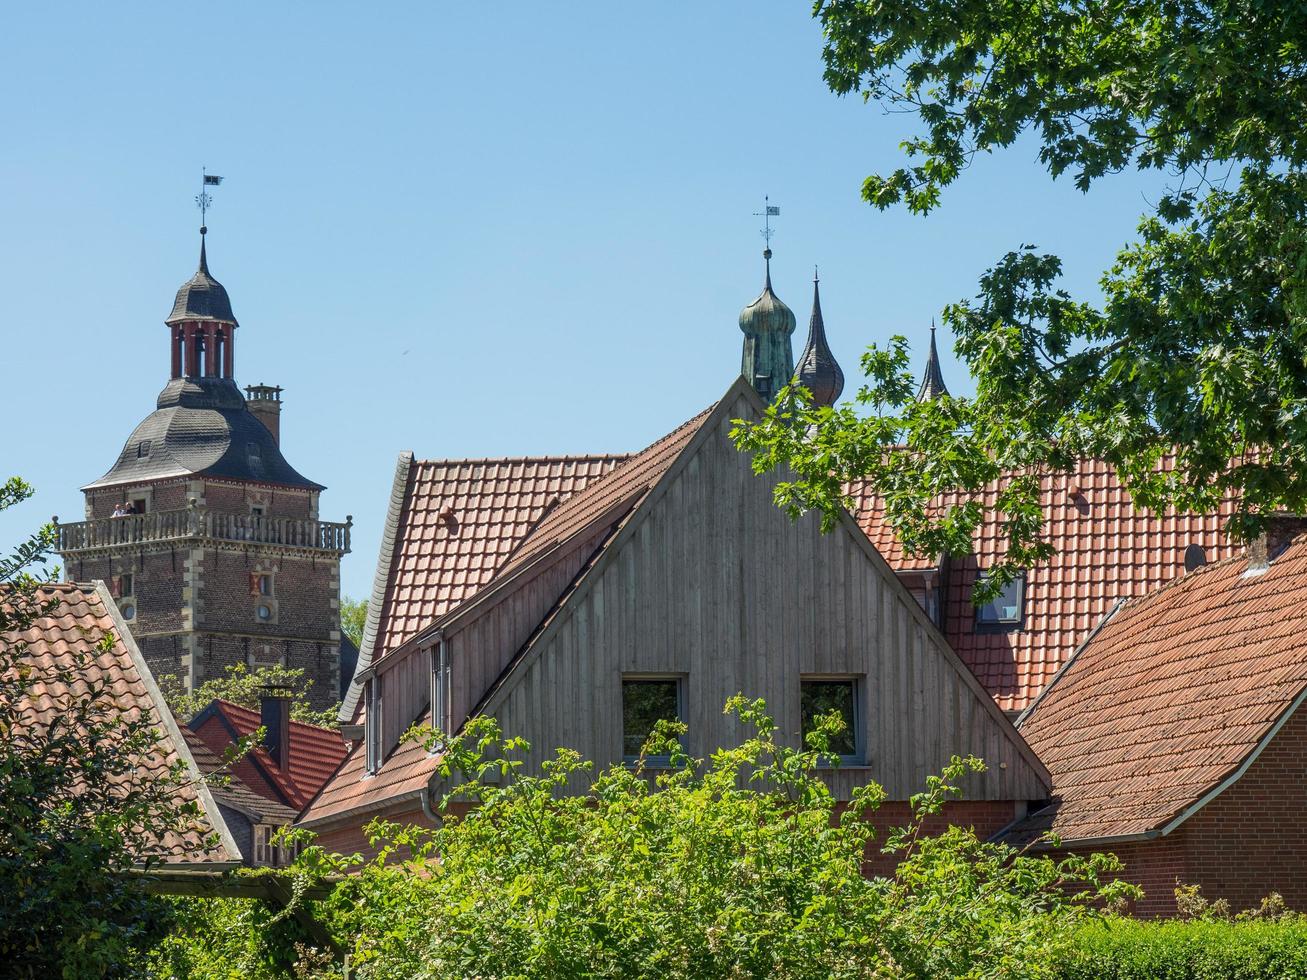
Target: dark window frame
[(647, 678), (857, 684), (1003, 625)]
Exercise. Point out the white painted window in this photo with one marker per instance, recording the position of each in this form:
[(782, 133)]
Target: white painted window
[(441, 690), (372, 724)]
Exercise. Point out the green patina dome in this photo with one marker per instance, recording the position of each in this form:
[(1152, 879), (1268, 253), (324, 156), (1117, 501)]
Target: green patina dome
[(767, 314), (767, 323)]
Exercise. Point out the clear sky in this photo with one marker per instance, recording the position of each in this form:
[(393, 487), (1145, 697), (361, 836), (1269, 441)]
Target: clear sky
[(466, 230)]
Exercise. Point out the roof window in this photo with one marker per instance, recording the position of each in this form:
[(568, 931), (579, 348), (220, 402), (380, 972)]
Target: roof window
[(1007, 609)]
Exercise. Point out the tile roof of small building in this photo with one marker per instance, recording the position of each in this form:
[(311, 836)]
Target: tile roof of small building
[(68, 636), (1106, 551), (1170, 698), (609, 497), (315, 752), (233, 791)]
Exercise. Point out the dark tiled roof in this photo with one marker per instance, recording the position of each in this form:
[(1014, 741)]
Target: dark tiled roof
[(201, 297), (314, 752), (1106, 550), (932, 382), (202, 428), (1174, 693), (82, 617), (818, 370), (235, 792)]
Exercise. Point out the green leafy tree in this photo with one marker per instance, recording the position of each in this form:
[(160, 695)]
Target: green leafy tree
[(1195, 353), (241, 685), (744, 865), (353, 615), (75, 814)]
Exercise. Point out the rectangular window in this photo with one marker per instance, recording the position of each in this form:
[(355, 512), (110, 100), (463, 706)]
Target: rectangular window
[(372, 725), (263, 584), (821, 697), (128, 585), (263, 844), (138, 505), (1005, 609), (645, 702)]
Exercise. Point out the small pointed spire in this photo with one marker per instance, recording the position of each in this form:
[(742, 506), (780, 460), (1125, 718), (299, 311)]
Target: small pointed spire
[(766, 258), (818, 371), (932, 383), (204, 259)]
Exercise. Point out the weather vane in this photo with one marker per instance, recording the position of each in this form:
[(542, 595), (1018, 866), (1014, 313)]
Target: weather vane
[(768, 212), (204, 198)]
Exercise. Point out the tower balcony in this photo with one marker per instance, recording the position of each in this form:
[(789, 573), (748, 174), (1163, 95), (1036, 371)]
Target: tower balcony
[(197, 525)]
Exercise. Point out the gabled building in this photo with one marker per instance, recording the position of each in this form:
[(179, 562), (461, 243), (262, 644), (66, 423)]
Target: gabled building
[(222, 557), (68, 636), (659, 589), (1176, 736)]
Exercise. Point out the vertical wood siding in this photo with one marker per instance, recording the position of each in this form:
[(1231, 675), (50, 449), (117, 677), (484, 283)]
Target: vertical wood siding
[(713, 582)]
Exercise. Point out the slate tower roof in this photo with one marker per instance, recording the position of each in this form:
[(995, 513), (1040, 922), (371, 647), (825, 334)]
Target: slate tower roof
[(818, 370), (932, 383), (201, 297)]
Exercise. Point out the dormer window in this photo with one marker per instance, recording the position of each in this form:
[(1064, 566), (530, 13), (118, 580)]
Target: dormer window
[(254, 452), (1005, 611), (143, 449), (372, 725), (440, 689)]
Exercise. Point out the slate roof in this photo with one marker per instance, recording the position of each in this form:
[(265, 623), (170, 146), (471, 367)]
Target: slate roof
[(818, 370), (1175, 693), (201, 297), (315, 752), (452, 525), (605, 500), (84, 614), (201, 427), (1106, 551)]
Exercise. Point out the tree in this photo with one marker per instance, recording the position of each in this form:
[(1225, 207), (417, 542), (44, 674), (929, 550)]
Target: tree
[(353, 615), (75, 812), (243, 686), (744, 865), (1189, 378)]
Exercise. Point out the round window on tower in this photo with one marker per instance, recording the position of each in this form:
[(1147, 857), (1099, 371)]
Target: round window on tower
[(129, 611), (265, 612)]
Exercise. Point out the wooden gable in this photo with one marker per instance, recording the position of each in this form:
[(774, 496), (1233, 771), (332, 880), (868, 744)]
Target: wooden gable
[(709, 581)]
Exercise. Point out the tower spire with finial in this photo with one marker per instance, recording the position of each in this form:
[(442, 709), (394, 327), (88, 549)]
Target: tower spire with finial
[(932, 382), (767, 323), (818, 370)]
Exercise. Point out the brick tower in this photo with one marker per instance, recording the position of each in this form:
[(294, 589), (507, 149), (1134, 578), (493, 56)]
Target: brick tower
[(223, 559)]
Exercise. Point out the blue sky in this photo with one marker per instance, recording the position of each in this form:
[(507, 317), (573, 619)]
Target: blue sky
[(466, 231)]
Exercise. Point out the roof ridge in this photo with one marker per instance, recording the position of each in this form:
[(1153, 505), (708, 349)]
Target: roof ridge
[(1131, 603), (566, 458)]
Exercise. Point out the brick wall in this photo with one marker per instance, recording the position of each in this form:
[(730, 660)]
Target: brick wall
[(1248, 842), (985, 817)]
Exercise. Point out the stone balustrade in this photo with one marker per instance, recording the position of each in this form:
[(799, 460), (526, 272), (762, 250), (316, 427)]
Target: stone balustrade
[(199, 524)]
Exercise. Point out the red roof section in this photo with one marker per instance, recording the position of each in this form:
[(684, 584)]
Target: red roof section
[(315, 753), (615, 495), (1106, 551), (461, 521), (68, 636), (1171, 697)]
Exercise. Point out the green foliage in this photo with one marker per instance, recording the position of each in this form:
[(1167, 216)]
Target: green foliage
[(74, 812), (353, 616), (241, 685), (235, 939), (1198, 346), (743, 865), (1125, 949)]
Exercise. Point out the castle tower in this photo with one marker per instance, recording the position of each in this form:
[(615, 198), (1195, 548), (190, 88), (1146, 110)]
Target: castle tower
[(767, 323), (819, 372), (223, 558), (932, 381)]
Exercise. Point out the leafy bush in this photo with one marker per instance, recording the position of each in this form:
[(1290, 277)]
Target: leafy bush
[(742, 866), (1204, 949)]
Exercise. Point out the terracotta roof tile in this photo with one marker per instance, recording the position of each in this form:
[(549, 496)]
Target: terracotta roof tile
[(1105, 551), (73, 630), (1170, 697)]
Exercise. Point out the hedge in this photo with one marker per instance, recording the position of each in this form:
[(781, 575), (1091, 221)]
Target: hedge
[(1125, 949)]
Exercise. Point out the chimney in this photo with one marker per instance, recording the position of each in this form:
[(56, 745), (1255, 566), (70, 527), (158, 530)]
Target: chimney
[(264, 403), (1281, 529), (274, 711)]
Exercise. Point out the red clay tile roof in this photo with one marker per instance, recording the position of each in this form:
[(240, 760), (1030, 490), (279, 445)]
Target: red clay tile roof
[(1105, 551), (612, 497), (462, 519), (83, 616), (234, 792), (315, 752), (1170, 697)]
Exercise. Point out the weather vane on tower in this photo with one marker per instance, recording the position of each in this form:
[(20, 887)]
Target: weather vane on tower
[(204, 198), (768, 212)]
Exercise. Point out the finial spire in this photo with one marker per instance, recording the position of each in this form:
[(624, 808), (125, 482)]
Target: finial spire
[(204, 259), (818, 371), (932, 382)]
